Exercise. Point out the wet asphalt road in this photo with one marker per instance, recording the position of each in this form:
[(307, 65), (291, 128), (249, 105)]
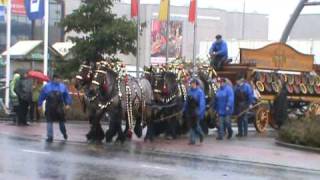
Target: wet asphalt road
[(31, 160)]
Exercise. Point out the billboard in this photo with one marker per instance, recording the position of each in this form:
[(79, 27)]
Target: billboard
[(159, 39), (18, 7)]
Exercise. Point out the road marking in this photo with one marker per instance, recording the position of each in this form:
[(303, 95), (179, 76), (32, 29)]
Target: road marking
[(156, 167), (35, 152)]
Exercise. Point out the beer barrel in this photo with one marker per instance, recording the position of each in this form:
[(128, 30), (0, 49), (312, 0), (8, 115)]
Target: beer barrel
[(296, 89), (303, 89), (269, 77), (260, 86), (310, 89), (311, 79), (297, 79), (290, 79), (283, 78), (289, 88), (317, 89), (304, 78), (275, 87), (267, 87), (317, 80)]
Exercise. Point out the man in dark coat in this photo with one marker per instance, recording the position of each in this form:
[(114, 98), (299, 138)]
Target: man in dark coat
[(280, 107), (244, 98), (57, 98), (23, 90)]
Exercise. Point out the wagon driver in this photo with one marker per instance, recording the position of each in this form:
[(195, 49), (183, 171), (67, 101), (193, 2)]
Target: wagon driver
[(218, 53)]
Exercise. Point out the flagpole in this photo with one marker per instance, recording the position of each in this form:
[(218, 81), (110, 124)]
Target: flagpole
[(46, 36), (8, 62), (167, 33), (138, 40), (194, 40)]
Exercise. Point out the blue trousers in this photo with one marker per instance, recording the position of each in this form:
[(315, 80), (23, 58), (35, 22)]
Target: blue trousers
[(50, 128), (195, 132), (243, 125), (224, 123)]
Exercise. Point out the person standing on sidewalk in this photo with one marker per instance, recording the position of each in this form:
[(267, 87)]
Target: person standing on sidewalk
[(244, 100), (224, 105), (13, 96), (36, 88), (23, 89), (57, 99), (197, 95)]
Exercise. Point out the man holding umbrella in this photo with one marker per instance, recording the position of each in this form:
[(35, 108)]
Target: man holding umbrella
[(57, 98)]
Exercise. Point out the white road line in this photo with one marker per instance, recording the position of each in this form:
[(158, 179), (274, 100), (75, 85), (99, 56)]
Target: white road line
[(35, 152), (155, 167)]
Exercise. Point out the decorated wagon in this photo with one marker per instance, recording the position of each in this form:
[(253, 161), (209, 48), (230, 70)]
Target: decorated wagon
[(271, 67)]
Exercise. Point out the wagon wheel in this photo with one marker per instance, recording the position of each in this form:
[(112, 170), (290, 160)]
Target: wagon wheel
[(262, 119)]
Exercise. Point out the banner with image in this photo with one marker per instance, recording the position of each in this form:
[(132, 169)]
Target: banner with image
[(158, 41)]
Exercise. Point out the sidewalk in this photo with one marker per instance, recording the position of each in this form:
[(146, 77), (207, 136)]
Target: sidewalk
[(257, 148)]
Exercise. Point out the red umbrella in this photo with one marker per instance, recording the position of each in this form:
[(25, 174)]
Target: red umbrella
[(37, 75)]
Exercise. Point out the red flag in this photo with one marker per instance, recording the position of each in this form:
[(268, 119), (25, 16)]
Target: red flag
[(134, 8), (192, 11)]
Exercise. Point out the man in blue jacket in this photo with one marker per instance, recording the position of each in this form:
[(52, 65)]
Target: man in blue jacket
[(223, 105), (244, 100), (196, 93), (57, 98), (218, 53)]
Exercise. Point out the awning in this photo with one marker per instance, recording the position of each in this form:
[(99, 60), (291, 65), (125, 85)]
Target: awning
[(22, 48), (63, 48)]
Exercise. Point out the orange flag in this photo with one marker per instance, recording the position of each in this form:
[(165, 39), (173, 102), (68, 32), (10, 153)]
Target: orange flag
[(134, 8), (192, 11)]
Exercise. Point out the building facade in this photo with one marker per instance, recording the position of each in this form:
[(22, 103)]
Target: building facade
[(23, 29)]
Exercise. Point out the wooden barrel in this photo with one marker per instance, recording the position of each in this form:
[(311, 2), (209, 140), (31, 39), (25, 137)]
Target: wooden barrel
[(303, 88), (297, 79), (290, 79), (260, 86), (268, 77), (267, 87), (310, 89), (289, 88), (296, 89)]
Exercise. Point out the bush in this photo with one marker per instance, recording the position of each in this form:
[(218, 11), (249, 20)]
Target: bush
[(304, 131)]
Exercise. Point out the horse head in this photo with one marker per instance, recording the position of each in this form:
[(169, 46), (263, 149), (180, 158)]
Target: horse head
[(104, 80), (84, 76)]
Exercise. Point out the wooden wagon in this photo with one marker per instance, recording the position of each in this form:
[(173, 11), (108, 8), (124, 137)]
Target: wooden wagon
[(271, 67)]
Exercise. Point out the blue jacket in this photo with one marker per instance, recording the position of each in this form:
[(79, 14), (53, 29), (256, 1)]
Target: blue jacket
[(197, 94), (224, 101), (244, 96), (53, 86), (220, 48)]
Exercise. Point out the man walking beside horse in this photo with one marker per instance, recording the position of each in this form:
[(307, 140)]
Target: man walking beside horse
[(194, 111)]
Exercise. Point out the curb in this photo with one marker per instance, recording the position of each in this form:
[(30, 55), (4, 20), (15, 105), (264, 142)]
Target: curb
[(222, 161), (296, 146)]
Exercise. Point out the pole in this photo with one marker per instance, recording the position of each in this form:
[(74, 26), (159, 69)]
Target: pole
[(46, 36), (194, 41), (243, 19), (167, 33), (138, 40), (8, 62), (292, 21)]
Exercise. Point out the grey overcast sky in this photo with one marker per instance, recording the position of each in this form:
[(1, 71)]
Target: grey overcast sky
[(278, 10)]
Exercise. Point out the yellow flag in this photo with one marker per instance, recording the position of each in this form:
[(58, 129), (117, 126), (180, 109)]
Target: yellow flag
[(3, 2), (164, 7)]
